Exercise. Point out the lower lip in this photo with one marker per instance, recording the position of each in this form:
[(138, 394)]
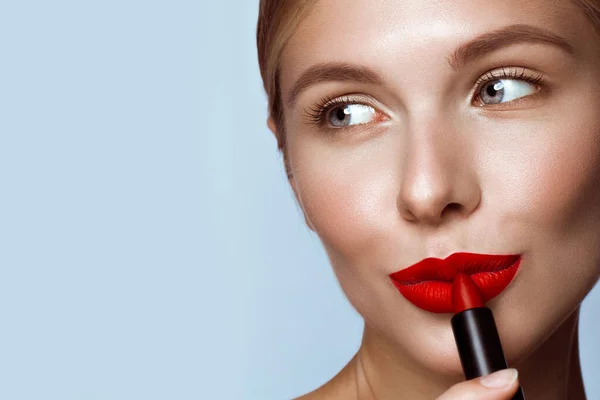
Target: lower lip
[(436, 296)]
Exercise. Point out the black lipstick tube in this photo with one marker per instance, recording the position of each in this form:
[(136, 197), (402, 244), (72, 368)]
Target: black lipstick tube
[(479, 344)]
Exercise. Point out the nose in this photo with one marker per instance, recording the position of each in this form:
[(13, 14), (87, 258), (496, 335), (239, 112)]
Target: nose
[(438, 180)]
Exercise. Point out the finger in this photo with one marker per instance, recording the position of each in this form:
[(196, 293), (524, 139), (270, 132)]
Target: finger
[(501, 385)]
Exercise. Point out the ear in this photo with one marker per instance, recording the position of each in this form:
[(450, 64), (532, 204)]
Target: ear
[(273, 128)]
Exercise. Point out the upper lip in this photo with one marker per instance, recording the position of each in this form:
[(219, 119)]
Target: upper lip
[(436, 269)]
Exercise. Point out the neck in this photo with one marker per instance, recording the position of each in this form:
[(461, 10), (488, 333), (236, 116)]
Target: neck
[(550, 372)]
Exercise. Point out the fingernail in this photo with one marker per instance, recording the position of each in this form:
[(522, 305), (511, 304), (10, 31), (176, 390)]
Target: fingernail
[(500, 378)]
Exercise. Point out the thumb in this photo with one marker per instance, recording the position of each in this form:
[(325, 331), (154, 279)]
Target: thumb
[(501, 385)]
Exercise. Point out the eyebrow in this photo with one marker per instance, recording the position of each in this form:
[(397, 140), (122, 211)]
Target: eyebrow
[(509, 35), (465, 53), (331, 72)]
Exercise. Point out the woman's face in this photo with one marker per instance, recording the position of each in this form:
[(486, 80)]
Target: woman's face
[(428, 145)]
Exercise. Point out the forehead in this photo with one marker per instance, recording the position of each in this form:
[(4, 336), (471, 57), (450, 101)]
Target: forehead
[(399, 32)]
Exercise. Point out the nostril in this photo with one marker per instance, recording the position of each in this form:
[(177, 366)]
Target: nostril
[(453, 207)]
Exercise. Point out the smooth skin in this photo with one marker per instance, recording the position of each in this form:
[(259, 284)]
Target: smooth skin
[(421, 158)]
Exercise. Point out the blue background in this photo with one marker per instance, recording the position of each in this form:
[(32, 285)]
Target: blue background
[(150, 245)]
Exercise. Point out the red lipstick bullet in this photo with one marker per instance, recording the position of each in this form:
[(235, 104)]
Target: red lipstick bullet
[(475, 332)]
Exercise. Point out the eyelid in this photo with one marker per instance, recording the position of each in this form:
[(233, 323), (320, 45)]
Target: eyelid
[(520, 73)]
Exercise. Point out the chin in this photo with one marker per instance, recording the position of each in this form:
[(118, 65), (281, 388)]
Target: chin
[(424, 342), (427, 343), (436, 353)]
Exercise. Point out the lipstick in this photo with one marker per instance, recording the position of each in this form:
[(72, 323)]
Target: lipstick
[(475, 332)]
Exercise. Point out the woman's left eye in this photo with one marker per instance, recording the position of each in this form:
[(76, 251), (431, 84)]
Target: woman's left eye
[(350, 114), (505, 90)]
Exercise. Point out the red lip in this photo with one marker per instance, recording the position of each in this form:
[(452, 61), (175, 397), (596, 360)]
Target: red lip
[(428, 284)]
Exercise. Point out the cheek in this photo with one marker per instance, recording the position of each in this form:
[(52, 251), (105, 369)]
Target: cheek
[(347, 196), (553, 183)]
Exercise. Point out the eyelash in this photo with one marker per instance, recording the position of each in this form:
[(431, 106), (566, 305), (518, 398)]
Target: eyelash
[(317, 113)]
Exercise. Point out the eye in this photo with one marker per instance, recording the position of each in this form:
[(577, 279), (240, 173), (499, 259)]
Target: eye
[(350, 114), (505, 90)]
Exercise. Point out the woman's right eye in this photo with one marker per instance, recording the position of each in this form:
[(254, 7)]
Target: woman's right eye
[(350, 114)]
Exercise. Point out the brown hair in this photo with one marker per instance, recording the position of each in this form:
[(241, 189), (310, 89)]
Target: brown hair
[(277, 21), (592, 9)]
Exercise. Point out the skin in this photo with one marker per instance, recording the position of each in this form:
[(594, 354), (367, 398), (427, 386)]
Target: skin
[(433, 173)]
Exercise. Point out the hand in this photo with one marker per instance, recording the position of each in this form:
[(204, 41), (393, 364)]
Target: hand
[(501, 385)]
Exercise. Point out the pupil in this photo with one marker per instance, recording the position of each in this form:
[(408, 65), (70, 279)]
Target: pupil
[(491, 90), (341, 114)]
